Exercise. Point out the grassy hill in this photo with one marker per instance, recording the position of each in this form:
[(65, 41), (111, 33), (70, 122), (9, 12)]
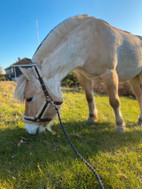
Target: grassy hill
[(47, 161)]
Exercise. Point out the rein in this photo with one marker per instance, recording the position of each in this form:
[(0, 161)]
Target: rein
[(38, 118)]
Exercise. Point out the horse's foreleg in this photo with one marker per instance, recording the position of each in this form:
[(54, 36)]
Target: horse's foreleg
[(87, 85), (111, 82), (136, 85)]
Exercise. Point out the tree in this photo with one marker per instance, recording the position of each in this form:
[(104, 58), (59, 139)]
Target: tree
[(1, 70)]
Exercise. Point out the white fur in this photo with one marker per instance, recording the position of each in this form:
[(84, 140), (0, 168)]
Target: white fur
[(33, 129), (21, 85)]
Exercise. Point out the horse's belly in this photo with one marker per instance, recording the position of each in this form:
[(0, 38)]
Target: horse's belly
[(128, 74), (129, 61)]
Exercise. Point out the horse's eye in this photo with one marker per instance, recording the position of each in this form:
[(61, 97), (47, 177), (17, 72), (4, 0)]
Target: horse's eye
[(29, 99)]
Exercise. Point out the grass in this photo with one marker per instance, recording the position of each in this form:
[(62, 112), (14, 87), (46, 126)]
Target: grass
[(46, 161)]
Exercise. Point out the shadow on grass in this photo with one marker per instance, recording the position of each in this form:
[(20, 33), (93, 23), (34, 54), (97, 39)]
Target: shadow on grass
[(21, 153), (97, 136)]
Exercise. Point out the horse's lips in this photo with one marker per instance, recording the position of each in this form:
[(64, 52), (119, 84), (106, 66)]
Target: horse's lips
[(34, 129)]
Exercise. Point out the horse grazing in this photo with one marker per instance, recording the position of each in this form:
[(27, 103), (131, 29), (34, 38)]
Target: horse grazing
[(94, 49)]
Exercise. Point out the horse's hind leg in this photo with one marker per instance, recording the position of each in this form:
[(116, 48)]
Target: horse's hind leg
[(111, 82), (87, 85), (136, 85)]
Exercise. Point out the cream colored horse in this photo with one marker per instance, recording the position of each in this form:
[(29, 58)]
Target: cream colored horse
[(95, 49)]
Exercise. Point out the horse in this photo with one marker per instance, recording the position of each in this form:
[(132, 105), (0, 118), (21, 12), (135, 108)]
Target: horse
[(93, 48)]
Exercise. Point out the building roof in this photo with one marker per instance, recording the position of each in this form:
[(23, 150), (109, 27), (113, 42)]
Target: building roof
[(22, 62)]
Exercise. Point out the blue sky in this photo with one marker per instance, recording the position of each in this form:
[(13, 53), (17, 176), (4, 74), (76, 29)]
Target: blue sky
[(18, 37)]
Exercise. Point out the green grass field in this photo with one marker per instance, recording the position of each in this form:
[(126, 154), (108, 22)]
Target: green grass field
[(46, 161)]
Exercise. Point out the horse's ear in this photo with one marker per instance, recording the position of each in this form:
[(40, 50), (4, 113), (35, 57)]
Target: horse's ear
[(25, 72)]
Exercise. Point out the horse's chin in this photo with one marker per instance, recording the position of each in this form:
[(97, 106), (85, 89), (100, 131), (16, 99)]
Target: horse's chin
[(34, 129)]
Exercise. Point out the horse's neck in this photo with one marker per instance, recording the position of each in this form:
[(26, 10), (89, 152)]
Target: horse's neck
[(59, 65), (61, 62)]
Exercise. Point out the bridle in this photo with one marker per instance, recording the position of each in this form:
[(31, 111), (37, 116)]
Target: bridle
[(49, 101)]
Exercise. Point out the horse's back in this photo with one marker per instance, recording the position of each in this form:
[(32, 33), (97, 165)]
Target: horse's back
[(127, 46)]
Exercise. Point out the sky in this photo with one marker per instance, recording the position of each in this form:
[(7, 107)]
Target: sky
[(18, 34)]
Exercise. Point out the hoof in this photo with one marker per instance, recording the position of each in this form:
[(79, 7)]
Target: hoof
[(139, 124), (120, 129), (92, 119)]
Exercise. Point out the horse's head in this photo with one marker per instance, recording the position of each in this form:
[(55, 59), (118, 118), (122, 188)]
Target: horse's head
[(39, 110)]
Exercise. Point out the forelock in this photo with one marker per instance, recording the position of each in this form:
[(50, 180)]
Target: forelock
[(20, 88)]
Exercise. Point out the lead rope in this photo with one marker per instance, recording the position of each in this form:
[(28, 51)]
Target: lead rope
[(88, 165), (43, 86)]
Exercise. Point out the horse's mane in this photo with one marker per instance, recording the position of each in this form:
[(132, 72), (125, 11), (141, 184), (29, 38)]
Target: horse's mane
[(59, 33), (20, 88), (56, 35)]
